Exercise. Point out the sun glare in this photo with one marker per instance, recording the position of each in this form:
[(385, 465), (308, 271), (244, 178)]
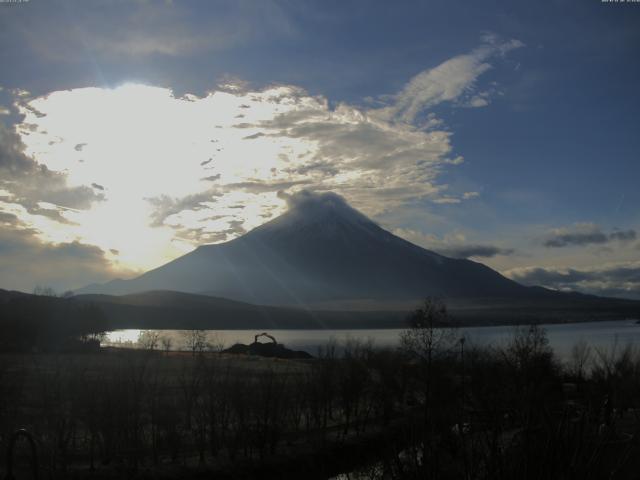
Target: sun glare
[(169, 173), (149, 154)]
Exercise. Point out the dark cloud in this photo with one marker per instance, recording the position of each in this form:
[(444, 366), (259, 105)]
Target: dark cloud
[(212, 178), (319, 167), (55, 213), (25, 261), (236, 227), (8, 218), (576, 238), (165, 206), (625, 273), (30, 183), (550, 277), (254, 136), (97, 186), (262, 187), (623, 235), (622, 280), (79, 147), (43, 185), (35, 111), (585, 234), (202, 235), (467, 251), (213, 218), (12, 157)]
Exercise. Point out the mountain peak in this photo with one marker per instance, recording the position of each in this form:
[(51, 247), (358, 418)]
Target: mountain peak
[(307, 200), (307, 208), (317, 214), (322, 250)]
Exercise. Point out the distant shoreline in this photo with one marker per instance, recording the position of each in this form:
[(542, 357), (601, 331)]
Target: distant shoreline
[(391, 327)]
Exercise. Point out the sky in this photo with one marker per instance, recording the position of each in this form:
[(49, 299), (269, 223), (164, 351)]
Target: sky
[(505, 132)]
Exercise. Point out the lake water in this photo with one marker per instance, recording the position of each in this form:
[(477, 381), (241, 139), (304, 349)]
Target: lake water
[(562, 337)]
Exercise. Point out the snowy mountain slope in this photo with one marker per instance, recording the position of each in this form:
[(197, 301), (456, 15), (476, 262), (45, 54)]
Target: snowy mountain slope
[(321, 250)]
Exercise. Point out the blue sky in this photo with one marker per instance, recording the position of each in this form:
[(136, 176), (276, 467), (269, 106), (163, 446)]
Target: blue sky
[(527, 113)]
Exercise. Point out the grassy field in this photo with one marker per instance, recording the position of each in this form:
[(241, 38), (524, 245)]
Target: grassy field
[(121, 411)]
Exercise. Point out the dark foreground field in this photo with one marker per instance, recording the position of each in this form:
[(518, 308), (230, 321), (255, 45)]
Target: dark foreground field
[(431, 409)]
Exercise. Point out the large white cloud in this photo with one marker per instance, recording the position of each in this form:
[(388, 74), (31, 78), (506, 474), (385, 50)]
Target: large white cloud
[(451, 81), (173, 172)]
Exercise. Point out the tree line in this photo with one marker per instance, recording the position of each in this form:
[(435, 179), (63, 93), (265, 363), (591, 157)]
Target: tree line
[(436, 407)]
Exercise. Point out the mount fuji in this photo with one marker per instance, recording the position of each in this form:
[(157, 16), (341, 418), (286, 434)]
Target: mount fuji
[(321, 252)]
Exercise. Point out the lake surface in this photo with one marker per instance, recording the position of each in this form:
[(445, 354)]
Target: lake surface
[(562, 337)]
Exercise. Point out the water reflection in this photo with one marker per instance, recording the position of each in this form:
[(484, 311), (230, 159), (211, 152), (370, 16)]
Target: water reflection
[(562, 337)]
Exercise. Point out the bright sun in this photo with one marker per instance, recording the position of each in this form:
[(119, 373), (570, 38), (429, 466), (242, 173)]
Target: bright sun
[(169, 173), (166, 166)]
